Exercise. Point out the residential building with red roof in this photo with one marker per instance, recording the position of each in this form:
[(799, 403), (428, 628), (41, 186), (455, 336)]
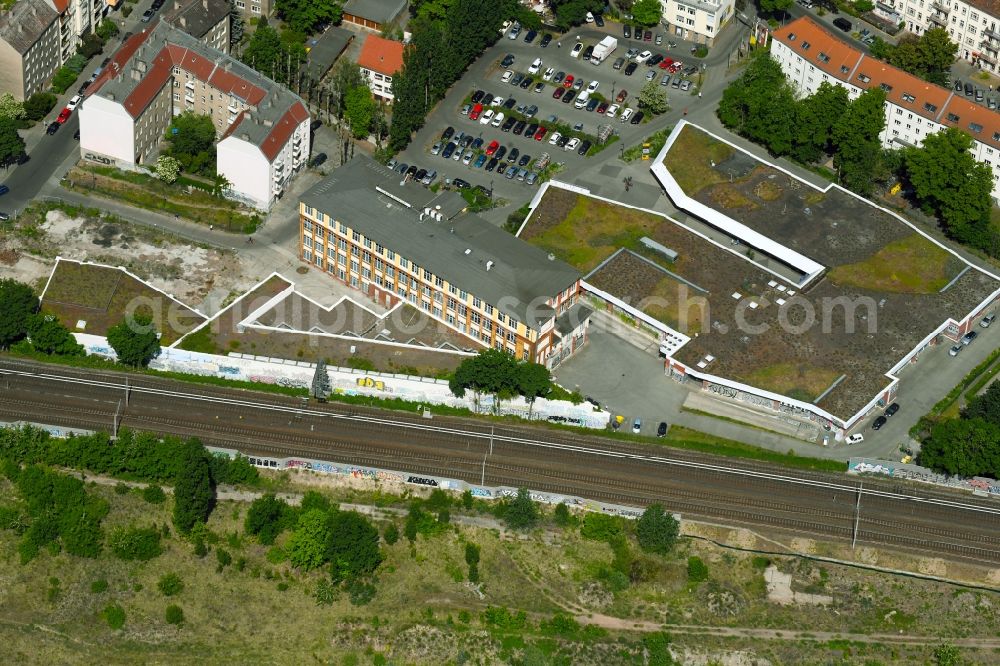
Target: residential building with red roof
[(914, 108), (262, 128), (380, 60)]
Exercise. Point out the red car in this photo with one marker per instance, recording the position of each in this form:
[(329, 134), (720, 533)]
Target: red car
[(622, 94), (558, 92), (492, 148), (602, 107), (540, 134), (64, 116), (568, 81), (666, 62), (476, 110)]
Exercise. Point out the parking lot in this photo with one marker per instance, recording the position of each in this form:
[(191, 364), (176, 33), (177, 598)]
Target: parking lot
[(545, 108)]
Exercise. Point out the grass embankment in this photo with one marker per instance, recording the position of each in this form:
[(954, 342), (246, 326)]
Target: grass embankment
[(143, 191), (911, 265)]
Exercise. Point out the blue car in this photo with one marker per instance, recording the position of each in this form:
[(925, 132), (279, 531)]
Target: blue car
[(480, 161)]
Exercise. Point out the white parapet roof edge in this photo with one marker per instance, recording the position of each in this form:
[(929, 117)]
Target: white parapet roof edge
[(809, 268)]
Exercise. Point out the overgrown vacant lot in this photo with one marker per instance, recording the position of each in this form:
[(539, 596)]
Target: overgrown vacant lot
[(258, 609)]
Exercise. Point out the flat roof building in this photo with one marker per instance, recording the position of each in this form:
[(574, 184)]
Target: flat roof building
[(375, 15), (262, 128), (403, 242)]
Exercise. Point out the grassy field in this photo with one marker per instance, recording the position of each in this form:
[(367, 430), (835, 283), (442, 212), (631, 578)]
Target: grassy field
[(690, 160), (260, 610), (912, 265), (802, 382)]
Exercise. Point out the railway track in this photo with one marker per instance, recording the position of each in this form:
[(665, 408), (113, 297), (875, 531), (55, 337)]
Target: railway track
[(923, 520)]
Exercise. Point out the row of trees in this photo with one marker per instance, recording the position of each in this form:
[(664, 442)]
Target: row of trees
[(20, 319), (969, 445), (442, 47), (497, 373), (762, 106), (946, 179)]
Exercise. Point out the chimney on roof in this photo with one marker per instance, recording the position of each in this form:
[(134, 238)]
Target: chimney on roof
[(183, 22), (245, 136), (140, 65), (267, 122)]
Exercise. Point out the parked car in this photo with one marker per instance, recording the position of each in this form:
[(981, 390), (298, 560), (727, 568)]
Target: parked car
[(317, 159), (492, 164), (549, 73), (447, 133), (685, 85), (546, 40), (467, 157), (568, 81), (530, 130), (878, 423), (856, 438), (587, 52), (526, 83), (558, 92), (492, 148), (501, 151), (436, 148), (461, 184), (627, 31), (419, 175), (592, 104), (955, 350), (655, 60), (531, 111), (577, 50), (559, 77), (637, 118), (64, 115), (650, 75), (535, 66), (968, 338), (572, 144), (507, 61), (630, 70), (539, 87), (510, 173), (891, 409), (52, 128), (626, 115), (601, 108), (647, 36), (73, 102), (530, 36), (540, 133), (619, 63), (498, 119), (147, 15), (665, 81), (448, 151), (519, 127), (612, 110), (584, 148), (637, 426), (987, 320), (531, 178), (568, 97), (507, 76), (593, 86), (508, 124), (513, 155), (476, 112), (525, 160), (518, 77), (661, 430), (622, 94), (480, 161), (554, 139), (509, 104)]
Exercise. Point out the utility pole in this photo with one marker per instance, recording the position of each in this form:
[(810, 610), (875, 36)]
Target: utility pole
[(857, 515), (114, 424), (126, 391), (482, 482), (491, 440)]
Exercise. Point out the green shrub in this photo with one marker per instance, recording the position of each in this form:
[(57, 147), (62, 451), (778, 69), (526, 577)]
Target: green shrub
[(697, 570), (223, 557), (38, 105), (114, 615), (602, 527), (122, 488), (136, 543), (174, 614), (391, 534), (99, 586), (170, 585), (154, 495)]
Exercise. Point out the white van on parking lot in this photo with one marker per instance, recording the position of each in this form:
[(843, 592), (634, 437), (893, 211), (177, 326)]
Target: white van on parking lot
[(582, 99), (535, 66)]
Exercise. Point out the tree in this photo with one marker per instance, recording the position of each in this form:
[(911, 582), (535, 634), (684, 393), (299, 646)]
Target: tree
[(562, 516), (320, 387), (237, 26), (107, 29), (264, 49), (814, 120), (472, 559), (928, 56), (985, 406), (697, 570), (856, 137), (266, 518), (191, 139), (352, 547), (17, 304), (760, 105), (49, 336), (346, 77), (170, 585), (11, 143), (947, 655), (90, 45), (647, 12), (194, 494), (10, 108), (360, 111), (306, 15), (167, 169), (522, 512), (653, 97), (391, 534), (775, 6), (949, 182), (965, 447), (307, 545), (492, 371), (135, 341), (574, 12), (135, 543), (39, 104), (657, 530), (533, 381)]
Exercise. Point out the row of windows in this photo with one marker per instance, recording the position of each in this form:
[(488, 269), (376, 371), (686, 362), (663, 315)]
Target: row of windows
[(406, 280)]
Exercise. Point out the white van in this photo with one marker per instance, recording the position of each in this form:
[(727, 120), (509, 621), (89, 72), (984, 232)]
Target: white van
[(626, 114), (535, 66), (582, 99)]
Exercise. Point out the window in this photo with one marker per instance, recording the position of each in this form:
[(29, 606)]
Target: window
[(255, 9), (331, 252), (885, 86), (379, 248), (366, 257), (462, 310), (366, 273), (319, 259), (864, 78), (489, 309), (976, 127), (907, 97), (354, 265), (476, 303), (930, 108), (404, 263), (952, 118), (343, 228), (438, 282), (307, 225), (342, 244), (513, 323), (805, 46), (823, 57), (390, 271), (390, 255), (463, 294), (355, 236), (307, 241)]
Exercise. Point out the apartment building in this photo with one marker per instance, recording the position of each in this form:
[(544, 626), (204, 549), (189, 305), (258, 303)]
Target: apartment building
[(698, 21), (972, 25), (401, 242), (379, 61), (254, 9), (914, 108), (263, 128), (205, 20), (29, 47)]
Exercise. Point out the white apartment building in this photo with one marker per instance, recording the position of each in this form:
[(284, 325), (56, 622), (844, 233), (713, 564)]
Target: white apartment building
[(263, 128), (970, 24), (698, 21), (379, 61), (914, 108)]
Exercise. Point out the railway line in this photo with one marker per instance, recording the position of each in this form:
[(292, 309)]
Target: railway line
[(903, 516)]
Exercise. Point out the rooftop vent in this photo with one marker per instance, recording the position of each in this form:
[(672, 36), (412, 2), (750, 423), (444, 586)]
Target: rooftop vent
[(468, 250), (489, 265)]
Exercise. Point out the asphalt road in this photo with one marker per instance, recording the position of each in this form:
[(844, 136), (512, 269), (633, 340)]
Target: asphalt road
[(922, 519), (26, 180)]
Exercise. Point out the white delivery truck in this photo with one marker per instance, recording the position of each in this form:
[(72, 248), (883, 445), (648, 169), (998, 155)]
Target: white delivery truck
[(605, 48)]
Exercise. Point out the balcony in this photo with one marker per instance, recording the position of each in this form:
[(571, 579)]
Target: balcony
[(939, 19), (189, 85), (992, 59), (944, 9), (991, 35), (992, 46)]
